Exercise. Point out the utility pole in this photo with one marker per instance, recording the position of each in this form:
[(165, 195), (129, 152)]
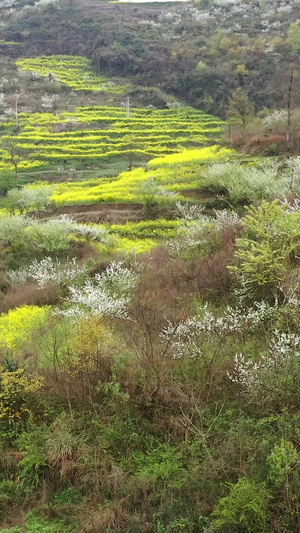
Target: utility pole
[(127, 107), (16, 109)]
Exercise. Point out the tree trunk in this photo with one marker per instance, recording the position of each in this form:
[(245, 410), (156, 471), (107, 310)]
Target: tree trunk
[(289, 103)]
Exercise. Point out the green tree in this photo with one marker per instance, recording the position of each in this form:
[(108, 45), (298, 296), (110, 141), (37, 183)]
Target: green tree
[(293, 38), (240, 110)]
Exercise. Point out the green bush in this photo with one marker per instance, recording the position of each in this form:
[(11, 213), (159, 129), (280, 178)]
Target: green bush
[(245, 509)]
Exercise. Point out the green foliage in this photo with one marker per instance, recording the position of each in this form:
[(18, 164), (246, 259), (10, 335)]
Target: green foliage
[(270, 244), (282, 460), (8, 494), (240, 109), (293, 38), (36, 524), (160, 464), (19, 399), (244, 509), (34, 463), (7, 181)]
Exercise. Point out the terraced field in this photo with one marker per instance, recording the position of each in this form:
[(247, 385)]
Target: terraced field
[(94, 134), (73, 71), (162, 180), (154, 156), (91, 137)]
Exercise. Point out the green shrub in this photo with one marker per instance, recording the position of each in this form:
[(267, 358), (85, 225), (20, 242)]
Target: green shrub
[(245, 509), (268, 248), (34, 463)]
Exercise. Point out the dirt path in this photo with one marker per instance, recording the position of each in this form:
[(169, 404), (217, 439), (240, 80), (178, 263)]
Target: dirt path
[(117, 213), (113, 213)]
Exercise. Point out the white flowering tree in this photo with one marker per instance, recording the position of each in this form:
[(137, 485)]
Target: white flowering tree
[(273, 377), (108, 294), (28, 198), (200, 234), (48, 271), (50, 101)]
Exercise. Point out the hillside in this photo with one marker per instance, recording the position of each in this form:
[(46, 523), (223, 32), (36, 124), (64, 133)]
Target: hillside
[(198, 52), (149, 266)]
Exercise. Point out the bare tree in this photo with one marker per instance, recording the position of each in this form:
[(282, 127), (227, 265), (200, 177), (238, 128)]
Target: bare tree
[(14, 155)]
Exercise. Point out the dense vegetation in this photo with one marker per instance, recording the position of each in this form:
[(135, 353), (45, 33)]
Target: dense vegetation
[(154, 390), (199, 52), (149, 267)]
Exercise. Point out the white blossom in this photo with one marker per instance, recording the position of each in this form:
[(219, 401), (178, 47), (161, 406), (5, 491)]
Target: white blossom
[(188, 337), (49, 100), (282, 347), (47, 271), (227, 219), (277, 118), (110, 292), (188, 211)]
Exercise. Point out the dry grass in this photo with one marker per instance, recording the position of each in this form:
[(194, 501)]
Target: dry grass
[(113, 518), (28, 294)]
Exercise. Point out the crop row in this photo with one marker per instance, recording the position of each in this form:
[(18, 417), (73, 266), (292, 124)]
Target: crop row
[(186, 110), (32, 141), (203, 155), (127, 144), (149, 134), (128, 186), (154, 229), (150, 151), (73, 71), (110, 135), (126, 124)]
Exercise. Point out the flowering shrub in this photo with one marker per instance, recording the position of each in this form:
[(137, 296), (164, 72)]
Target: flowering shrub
[(18, 397), (284, 350), (47, 271), (12, 230), (18, 325), (278, 118), (187, 338), (29, 198), (245, 183), (196, 238), (189, 212), (107, 295), (50, 236)]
